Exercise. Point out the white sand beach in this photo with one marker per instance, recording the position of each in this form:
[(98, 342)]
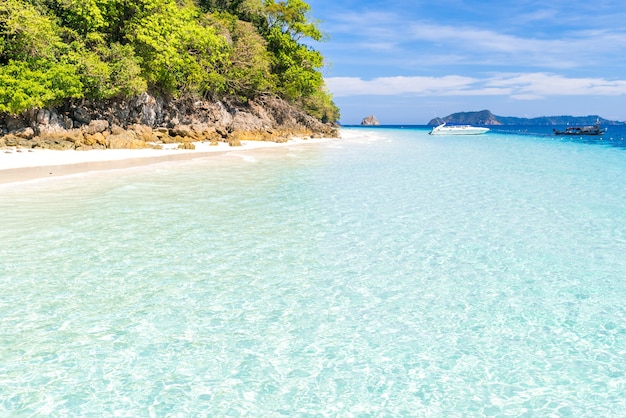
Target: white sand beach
[(17, 165)]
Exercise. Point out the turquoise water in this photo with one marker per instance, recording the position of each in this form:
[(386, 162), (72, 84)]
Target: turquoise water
[(387, 274)]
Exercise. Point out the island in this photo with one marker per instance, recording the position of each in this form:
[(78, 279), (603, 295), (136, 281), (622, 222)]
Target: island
[(370, 121), (121, 74), (486, 118)]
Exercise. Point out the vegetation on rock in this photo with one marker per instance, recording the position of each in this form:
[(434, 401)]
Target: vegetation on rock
[(52, 51)]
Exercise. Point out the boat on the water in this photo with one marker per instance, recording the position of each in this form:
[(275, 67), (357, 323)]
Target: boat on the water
[(581, 130), (445, 129)]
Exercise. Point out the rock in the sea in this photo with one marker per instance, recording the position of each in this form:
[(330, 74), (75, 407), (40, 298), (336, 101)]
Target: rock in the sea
[(370, 121)]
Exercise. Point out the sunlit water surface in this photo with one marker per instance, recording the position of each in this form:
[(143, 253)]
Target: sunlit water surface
[(391, 273)]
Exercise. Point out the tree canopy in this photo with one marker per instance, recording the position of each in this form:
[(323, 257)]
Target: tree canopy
[(55, 50)]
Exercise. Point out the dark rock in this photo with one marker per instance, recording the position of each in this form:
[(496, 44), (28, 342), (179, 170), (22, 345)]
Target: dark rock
[(82, 115), (14, 122)]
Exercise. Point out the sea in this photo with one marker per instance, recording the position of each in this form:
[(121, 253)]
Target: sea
[(389, 273)]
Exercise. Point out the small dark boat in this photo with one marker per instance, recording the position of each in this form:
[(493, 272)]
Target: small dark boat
[(582, 130)]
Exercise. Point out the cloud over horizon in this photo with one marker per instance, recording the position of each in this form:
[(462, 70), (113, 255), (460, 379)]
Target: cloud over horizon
[(521, 86)]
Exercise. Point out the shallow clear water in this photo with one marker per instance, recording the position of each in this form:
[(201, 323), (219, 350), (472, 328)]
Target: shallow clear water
[(388, 274)]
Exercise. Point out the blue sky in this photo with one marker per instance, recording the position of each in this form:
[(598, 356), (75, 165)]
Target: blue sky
[(408, 61)]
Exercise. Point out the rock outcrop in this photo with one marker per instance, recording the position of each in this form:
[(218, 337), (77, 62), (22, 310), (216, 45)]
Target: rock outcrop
[(370, 121), (149, 121)]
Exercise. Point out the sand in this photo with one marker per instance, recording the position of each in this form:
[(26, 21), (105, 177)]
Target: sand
[(18, 165)]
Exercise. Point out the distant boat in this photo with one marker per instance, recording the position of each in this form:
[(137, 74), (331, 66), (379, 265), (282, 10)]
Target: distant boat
[(582, 130), (445, 129)]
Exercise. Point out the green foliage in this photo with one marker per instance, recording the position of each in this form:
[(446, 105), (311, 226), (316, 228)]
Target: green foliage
[(125, 78), (54, 50), (320, 105), (184, 55), (248, 70), (252, 11), (26, 33), (24, 86), (82, 16), (108, 70), (296, 65), (291, 17)]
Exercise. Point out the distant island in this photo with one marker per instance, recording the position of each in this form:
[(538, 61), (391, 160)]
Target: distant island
[(485, 117), (370, 121)]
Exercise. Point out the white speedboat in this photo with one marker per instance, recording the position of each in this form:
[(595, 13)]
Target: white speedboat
[(444, 129)]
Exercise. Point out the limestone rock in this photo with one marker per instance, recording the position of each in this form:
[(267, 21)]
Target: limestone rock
[(25, 133), (126, 140), (234, 142), (145, 109), (10, 140), (186, 145), (96, 126), (145, 120), (117, 130), (144, 132), (183, 131), (370, 121)]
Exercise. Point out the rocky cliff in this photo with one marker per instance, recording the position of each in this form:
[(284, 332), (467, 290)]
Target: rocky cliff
[(149, 121)]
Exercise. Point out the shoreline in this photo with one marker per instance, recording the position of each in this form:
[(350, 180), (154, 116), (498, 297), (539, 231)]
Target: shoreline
[(17, 166)]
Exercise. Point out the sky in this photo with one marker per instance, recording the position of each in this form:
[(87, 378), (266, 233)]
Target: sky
[(407, 62)]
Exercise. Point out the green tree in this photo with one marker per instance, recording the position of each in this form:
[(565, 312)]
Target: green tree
[(107, 71), (247, 10), (24, 86), (26, 34), (178, 54), (290, 17), (297, 66), (82, 16), (33, 72), (247, 72)]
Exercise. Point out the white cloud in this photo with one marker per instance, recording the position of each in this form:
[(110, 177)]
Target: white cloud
[(391, 86), (542, 84), (517, 86), (403, 37), (484, 45)]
